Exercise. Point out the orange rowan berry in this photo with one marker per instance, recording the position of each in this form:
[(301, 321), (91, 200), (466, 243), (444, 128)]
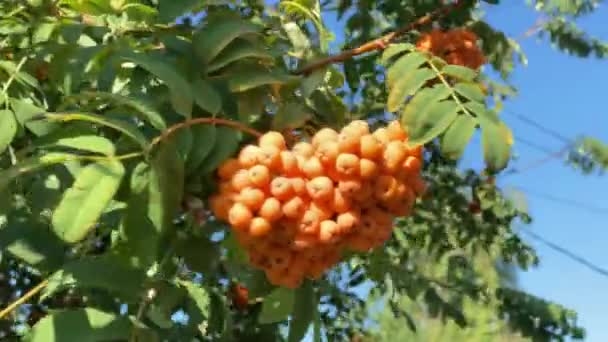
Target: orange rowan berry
[(328, 231), (348, 221), (359, 243), (347, 164), (348, 142), (313, 168), (280, 258), (259, 175), (327, 152), (249, 156), (228, 168), (340, 202), (322, 209), (364, 194), (349, 187), (220, 205), (274, 139), (361, 127), (270, 157), (259, 226), (289, 163), (239, 216), (281, 188), (303, 149), (367, 168), (385, 188), (294, 208), (251, 197), (418, 185), (225, 187), (303, 241), (393, 156), (309, 223), (370, 147), (324, 135), (395, 131), (241, 180), (271, 209), (299, 186), (382, 136), (320, 188)]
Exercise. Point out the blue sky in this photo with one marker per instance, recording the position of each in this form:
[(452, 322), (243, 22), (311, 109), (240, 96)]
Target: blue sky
[(568, 95)]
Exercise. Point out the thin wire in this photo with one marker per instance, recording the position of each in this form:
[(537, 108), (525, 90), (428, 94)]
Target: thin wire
[(575, 257), (540, 127), (534, 145), (567, 202), (536, 163)]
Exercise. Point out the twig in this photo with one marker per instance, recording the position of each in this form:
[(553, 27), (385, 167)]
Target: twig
[(378, 43), (169, 131), (12, 78), (24, 298)]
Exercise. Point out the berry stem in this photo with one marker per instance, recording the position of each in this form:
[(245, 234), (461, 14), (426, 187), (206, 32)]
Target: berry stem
[(378, 43), (200, 121)]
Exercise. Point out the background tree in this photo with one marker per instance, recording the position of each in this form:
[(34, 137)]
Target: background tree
[(115, 119)]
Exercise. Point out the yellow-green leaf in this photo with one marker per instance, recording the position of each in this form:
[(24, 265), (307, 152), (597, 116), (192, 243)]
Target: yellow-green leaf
[(471, 91), (277, 306), (427, 115), (496, 139), (403, 66), (407, 85), (91, 143), (457, 136), (460, 72), (8, 128), (84, 202)]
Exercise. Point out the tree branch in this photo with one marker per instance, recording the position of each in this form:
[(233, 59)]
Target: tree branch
[(378, 43)]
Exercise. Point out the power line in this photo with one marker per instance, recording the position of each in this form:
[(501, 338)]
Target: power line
[(540, 127), (575, 257), (533, 145), (567, 202), (536, 163)]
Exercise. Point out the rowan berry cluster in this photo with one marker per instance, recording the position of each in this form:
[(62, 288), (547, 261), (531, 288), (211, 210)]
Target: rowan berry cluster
[(295, 210), (458, 46)]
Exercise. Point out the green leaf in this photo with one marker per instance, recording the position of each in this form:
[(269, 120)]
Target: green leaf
[(303, 311), (290, 115), (171, 9), (237, 50), (90, 143), (20, 76), (139, 236), (199, 301), (457, 136), (166, 187), (403, 66), (24, 111), (145, 110), (206, 96), (213, 38), (81, 325), (394, 50), (199, 253), (8, 128), (106, 272), (496, 139), (277, 306), (93, 7), (203, 141), (226, 144), (83, 203), (299, 40), (181, 92), (32, 242), (427, 116), (460, 72), (471, 91), (31, 164), (252, 78), (122, 126), (407, 84)]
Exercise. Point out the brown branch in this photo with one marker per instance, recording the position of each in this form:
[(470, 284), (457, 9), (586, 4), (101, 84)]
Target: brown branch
[(237, 125), (378, 43)]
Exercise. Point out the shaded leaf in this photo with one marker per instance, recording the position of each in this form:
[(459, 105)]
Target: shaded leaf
[(32, 242), (238, 49), (181, 93), (303, 311), (90, 143), (457, 136), (122, 126), (82, 325), (226, 144), (277, 306), (203, 141), (252, 78), (206, 96), (8, 128), (213, 38), (290, 115), (117, 277), (199, 301), (200, 254), (24, 111), (83, 203), (171, 9)]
